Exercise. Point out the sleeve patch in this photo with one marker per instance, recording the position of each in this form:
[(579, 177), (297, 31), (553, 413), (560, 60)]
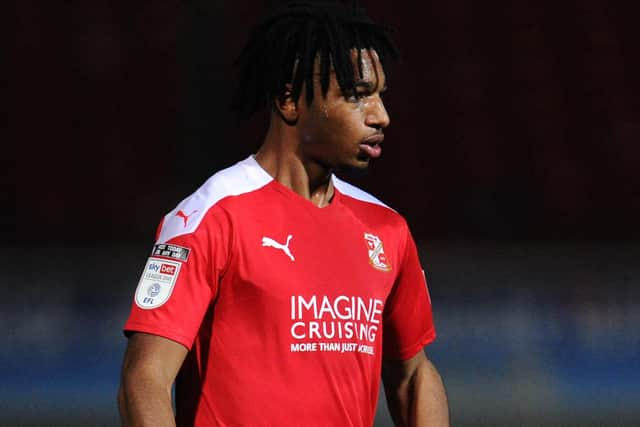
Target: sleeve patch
[(157, 282), (172, 251)]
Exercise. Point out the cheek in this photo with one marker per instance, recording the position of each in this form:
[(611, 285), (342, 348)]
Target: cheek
[(347, 120), (337, 128)]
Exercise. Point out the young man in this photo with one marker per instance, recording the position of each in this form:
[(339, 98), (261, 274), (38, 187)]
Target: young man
[(278, 294)]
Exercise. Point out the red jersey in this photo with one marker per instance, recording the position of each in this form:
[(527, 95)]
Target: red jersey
[(287, 308)]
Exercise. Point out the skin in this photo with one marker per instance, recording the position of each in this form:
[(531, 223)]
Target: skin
[(303, 146), (151, 364), (415, 392)]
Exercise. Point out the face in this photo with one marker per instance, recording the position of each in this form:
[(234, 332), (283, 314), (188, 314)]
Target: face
[(344, 130)]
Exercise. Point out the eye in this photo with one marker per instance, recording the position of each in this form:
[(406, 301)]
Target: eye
[(356, 96)]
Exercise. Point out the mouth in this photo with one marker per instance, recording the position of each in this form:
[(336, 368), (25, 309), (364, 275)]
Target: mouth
[(371, 145)]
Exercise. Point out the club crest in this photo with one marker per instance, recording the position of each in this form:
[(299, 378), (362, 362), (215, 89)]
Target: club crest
[(377, 257)]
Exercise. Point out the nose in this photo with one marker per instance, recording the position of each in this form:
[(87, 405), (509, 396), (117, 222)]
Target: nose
[(377, 115)]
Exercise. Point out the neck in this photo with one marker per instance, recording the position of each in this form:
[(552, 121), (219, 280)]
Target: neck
[(282, 157)]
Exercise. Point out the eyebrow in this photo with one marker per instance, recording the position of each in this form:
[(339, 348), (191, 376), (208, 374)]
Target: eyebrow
[(368, 85)]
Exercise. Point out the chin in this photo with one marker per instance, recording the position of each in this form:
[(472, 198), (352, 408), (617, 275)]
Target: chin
[(356, 169), (362, 161)]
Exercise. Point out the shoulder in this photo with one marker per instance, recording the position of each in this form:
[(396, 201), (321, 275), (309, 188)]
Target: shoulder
[(356, 193), (366, 205), (242, 178)]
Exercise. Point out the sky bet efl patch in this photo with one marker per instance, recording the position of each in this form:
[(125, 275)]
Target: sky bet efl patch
[(157, 282)]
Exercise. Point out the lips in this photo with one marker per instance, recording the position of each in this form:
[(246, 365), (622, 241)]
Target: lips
[(371, 145)]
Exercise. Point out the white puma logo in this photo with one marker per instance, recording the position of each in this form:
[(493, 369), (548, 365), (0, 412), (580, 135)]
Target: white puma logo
[(267, 241)]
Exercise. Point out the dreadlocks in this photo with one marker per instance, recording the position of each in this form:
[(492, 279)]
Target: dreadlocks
[(284, 47)]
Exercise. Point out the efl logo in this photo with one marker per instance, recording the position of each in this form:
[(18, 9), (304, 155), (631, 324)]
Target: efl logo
[(157, 282), (168, 269)]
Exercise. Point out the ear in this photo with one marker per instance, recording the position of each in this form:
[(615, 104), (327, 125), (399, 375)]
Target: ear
[(285, 106)]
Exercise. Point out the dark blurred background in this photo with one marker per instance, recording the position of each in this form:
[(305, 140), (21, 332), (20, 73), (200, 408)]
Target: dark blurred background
[(513, 154)]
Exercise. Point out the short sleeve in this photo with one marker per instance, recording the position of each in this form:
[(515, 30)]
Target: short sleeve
[(408, 319), (180, 279)]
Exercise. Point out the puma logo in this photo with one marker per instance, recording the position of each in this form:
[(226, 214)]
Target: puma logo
[(269, 242), (184, 216)]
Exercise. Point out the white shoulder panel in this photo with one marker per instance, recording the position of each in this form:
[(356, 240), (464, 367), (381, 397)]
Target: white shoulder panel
[(243, 177), (353, 191)]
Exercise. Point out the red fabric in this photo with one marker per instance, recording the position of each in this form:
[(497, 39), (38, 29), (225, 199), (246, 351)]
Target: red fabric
[(242, 307)]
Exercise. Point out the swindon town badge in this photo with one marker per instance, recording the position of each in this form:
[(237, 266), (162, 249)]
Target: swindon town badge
[(377, 257)]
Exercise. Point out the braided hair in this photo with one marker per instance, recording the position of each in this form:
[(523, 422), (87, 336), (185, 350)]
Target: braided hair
[(283, 50)]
